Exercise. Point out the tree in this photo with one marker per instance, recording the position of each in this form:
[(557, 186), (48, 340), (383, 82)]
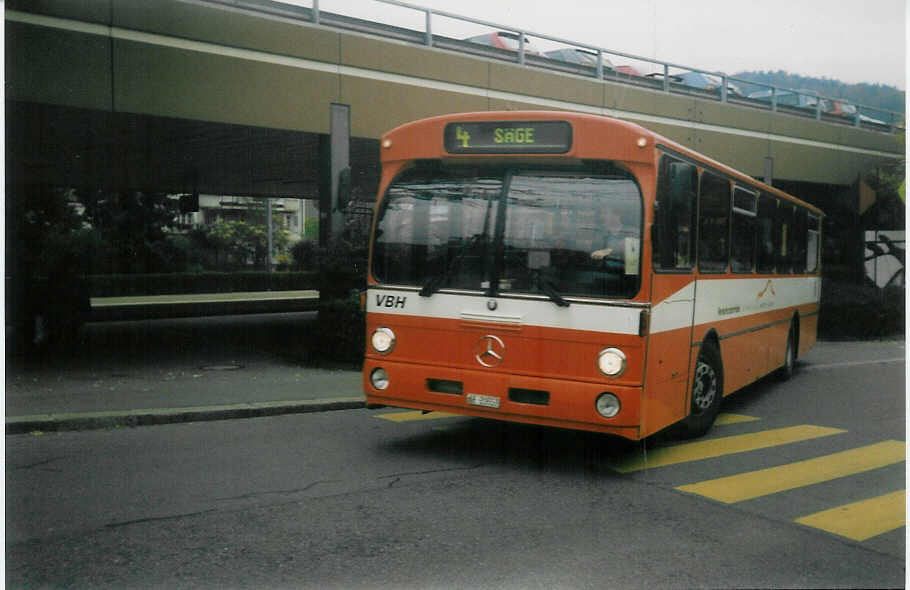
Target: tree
[(875, 95), (236, 244), (889, 211), (48, 250), (134, 225)]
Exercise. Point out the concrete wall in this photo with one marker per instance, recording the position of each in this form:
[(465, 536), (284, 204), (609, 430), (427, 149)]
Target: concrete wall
[(190, 61)]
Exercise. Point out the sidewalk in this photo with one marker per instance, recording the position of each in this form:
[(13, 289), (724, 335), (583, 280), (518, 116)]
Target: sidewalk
[(215, 368), (177, 370)]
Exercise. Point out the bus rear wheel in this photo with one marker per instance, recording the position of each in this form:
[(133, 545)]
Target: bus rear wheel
[(707, 392)]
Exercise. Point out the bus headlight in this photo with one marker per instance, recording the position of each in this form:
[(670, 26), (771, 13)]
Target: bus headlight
[(607, 405), (383, 340), (611, 362), (379, 378)]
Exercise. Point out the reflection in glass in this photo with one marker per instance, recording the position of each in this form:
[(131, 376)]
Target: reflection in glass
[(499, 230)]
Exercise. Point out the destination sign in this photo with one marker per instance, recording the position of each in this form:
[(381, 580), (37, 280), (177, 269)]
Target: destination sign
[(508, 137)]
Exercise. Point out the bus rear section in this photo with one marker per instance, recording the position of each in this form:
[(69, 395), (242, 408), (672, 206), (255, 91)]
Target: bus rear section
[(505, 283)]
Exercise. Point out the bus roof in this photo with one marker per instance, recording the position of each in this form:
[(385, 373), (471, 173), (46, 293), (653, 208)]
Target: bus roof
[(422, 139)]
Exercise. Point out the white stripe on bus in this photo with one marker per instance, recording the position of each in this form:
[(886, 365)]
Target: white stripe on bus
[(508, 313), (714, 300)]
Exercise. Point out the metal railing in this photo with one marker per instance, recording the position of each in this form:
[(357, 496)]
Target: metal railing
[(666, 77)]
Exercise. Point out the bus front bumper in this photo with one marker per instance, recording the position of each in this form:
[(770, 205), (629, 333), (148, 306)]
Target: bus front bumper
[(561, 403)]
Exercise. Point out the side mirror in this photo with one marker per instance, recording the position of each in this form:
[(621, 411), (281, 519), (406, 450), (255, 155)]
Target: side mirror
[(344, 187)]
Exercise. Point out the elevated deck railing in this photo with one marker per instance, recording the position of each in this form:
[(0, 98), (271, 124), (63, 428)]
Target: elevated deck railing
[(664, 76)]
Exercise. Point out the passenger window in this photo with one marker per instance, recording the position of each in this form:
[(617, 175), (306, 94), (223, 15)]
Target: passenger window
[(713, 223), (812, 252), (785, 238), (742, 244), (766, 236), (672, 237), (800, 239)]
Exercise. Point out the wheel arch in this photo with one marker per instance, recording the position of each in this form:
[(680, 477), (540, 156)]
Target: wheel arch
[(712, 339)]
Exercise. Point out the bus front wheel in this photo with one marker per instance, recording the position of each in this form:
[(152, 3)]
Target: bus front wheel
[(786, 370), (707, 392)]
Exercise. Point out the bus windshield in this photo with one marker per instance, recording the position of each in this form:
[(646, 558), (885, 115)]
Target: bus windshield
[(502, 230)]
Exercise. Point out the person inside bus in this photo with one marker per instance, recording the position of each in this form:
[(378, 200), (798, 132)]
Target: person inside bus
[(611, 236)]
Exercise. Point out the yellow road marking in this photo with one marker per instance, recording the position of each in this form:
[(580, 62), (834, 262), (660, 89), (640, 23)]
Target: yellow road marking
[(763, 482), (415, 415), (723, 419), (717, 447), (862, 520)]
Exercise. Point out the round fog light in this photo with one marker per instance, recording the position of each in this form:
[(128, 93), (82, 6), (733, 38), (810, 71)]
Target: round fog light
[(607, 405), (611, 362), (379, 378)]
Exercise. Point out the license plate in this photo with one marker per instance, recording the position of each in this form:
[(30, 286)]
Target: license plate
[(487, 401)]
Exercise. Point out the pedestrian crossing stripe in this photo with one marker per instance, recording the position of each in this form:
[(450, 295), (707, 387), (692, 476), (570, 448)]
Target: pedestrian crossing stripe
[(718, 447), (754, 484), (862, 520), (414, 416)]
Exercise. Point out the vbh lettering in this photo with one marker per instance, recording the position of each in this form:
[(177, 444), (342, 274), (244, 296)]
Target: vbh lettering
[(390, 301)]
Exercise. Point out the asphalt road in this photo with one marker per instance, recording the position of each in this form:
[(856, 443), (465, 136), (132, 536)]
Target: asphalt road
[(377, 499)]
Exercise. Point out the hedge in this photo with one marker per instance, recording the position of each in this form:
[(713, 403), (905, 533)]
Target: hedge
[(857, 312), (203, 282)]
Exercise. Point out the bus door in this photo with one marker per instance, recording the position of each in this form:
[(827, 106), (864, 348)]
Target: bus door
[(672, 295)]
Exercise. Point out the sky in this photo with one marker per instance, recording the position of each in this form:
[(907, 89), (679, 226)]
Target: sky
[(856, 41)]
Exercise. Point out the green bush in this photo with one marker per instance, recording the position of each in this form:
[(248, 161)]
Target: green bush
[(342, 265), (341, 330), (855, 312)]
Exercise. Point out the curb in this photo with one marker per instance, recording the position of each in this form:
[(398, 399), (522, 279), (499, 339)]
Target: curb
[(153, 416)]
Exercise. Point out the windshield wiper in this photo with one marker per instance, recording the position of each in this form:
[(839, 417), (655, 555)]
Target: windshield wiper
[(435, 282), (549, 289), (438, 280)]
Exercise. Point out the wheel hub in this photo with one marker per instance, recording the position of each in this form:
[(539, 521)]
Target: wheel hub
[(705, 386)]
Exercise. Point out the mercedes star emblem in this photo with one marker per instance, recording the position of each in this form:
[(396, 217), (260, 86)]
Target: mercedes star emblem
[(489, 351)]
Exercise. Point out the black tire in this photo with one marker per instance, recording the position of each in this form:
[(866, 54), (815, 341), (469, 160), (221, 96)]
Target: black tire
[(786, 370), (707, 392)]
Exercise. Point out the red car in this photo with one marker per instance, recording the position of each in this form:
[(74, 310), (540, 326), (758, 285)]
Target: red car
[(503, 40), (629, 71)]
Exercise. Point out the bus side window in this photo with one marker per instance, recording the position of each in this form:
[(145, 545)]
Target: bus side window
[(767, 237), (785, 238), (812, 252), (742, 243), (713, 223), (800, 238), (672, 235)]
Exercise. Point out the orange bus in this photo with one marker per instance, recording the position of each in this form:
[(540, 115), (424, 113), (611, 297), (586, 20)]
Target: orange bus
[(577, 271)]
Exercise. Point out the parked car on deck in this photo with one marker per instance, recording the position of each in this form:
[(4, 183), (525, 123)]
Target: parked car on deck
[(503, 40), (791, 98), (629, 71), (585, 57), (577, 56), (701, 81), (840, 108)]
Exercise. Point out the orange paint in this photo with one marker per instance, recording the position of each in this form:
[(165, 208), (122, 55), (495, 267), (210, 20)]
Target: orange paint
[(548, 374)]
